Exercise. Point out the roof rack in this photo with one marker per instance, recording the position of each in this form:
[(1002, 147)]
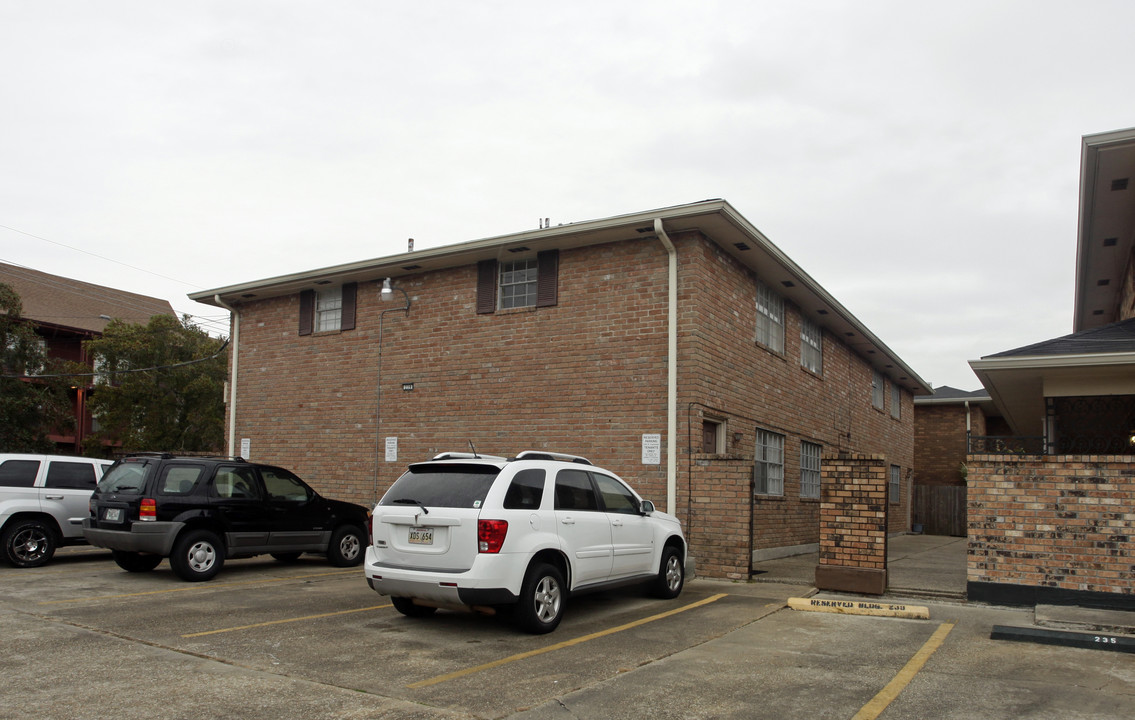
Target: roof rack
[(466, 456), (543, 455)]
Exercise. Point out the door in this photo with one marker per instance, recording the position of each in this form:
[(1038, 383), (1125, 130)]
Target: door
[(238, 501), (584, 530), (66, 493), (632, 534), (299, 516)]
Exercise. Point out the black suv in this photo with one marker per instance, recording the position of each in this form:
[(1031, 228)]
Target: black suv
[(198, 511)]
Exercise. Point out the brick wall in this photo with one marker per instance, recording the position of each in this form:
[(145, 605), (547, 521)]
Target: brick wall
[(1052, 529), (940, 442), (853, 524), (587, 376)]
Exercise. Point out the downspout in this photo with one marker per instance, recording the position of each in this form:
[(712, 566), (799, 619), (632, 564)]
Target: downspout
[(671, 371), (232, 375)]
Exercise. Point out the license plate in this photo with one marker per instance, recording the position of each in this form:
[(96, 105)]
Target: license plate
[(113, 515), (421, 536)]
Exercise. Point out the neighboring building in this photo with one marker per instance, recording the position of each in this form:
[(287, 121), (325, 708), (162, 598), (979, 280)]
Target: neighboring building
[(1051, 512), (66, 312), (678, 347)]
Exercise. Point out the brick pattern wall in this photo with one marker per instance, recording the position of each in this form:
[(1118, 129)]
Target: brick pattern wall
[(1053, 522), (587, 376), (853, 513), (940, 442)]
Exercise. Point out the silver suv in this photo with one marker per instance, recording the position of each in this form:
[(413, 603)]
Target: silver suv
[(488, 533), (43, 500)]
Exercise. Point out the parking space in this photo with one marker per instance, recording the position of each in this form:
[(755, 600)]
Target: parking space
[(272, 640)]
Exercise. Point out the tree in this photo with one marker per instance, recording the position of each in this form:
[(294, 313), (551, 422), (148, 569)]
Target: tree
[(159, 387), (31, 408)]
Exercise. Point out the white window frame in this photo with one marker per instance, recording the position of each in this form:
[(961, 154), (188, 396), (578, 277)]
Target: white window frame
[(894, 487), (810, 454), (811, 346), (518, 283), (329, 309), (770, 318), (768, 468), (896, 401), (878, 389)]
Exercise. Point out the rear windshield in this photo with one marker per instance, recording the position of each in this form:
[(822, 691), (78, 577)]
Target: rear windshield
[(455, 486), (128, 477)]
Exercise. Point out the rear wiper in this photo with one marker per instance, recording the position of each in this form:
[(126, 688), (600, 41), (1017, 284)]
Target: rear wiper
[(409, 501)]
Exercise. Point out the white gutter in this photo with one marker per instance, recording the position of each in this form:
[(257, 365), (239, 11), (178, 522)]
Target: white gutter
[(671, 372), (232, 379)]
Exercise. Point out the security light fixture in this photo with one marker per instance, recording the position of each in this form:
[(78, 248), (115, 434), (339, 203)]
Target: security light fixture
[(387, 289)]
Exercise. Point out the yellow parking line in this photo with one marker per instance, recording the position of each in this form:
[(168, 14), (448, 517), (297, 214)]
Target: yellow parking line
[(195, 586), (560, 646), (287, 620), (879, 703)]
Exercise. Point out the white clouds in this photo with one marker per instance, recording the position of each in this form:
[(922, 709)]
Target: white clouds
[(920, 162)]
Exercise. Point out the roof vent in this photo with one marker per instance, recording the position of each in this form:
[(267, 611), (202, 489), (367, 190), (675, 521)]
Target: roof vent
[(1119, 184), (1103, 283), (741, 246), (1110, 242), (518, 249), (788, 283), (410, 267)]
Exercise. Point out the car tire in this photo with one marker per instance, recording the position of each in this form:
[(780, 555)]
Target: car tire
[(671, 574), (197, 556), (542, 599), (29, 543), (407, 607), (346, 547), (135, 562), (287, 557)]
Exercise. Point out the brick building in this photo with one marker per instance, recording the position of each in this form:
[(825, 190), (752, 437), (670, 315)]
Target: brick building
[(1051, 517), (65, 313), (678, 347)]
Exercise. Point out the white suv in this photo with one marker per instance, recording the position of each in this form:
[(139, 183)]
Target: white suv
[(486, 533), (43, 501)]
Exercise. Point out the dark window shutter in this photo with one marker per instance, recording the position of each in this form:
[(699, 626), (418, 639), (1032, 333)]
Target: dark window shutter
[(347, 319), (486, 287), (547, 278), (307, 311)]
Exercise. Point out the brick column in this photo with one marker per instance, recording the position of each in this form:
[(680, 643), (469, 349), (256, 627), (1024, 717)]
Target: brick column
[(853, 524)]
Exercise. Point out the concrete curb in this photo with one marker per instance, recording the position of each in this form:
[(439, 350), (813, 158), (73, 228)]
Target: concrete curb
[(859, 607)]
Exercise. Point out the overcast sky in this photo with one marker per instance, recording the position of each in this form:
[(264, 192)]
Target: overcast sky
[(919, 160)]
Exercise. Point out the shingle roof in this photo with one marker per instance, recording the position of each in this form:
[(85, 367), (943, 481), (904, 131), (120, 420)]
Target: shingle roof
[(1114, 338), (54, 300), (946, 392)]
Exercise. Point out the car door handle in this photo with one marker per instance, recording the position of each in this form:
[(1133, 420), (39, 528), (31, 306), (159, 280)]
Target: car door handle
[(53, 497), (617, 523), (568, 520)]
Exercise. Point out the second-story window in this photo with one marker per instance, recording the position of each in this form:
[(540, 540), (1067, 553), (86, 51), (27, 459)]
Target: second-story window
[(811, 346), (878, 389), (518, 284), (532, 283), (896, 401), (328, 309), (770, 319)]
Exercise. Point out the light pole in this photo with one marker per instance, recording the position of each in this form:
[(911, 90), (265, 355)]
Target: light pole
[(387, 294)]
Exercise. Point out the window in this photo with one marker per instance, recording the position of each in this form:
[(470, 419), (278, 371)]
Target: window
[(769, 470), (896, 401), (282, 485), (713, 436), (770, 319), (181, 479), (811, 346), (518, 283), (328, 309), (616, 497), (526, 490), (74, 475), (895, 489), (810, 469), (18, 473), (574, 491), (877, 388)]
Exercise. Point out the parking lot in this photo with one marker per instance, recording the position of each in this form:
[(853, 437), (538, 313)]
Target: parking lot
[(84, 639)]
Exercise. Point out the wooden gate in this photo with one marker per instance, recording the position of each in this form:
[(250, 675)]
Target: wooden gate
[(940, 509)]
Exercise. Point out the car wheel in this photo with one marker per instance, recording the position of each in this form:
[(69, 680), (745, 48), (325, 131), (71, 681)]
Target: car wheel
[(542, 599), (671, 574), (29, 543), (287, 557), (197, 555), (136, 562), (346, 548), (407, 607)]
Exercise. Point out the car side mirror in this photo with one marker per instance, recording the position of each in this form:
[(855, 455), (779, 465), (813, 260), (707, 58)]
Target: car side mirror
[(647, 507)]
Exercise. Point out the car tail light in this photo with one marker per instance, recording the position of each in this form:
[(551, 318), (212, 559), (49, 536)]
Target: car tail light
[(490, 535), (149, 510)]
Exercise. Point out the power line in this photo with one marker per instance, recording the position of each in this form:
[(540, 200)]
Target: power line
[(220, 350)]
